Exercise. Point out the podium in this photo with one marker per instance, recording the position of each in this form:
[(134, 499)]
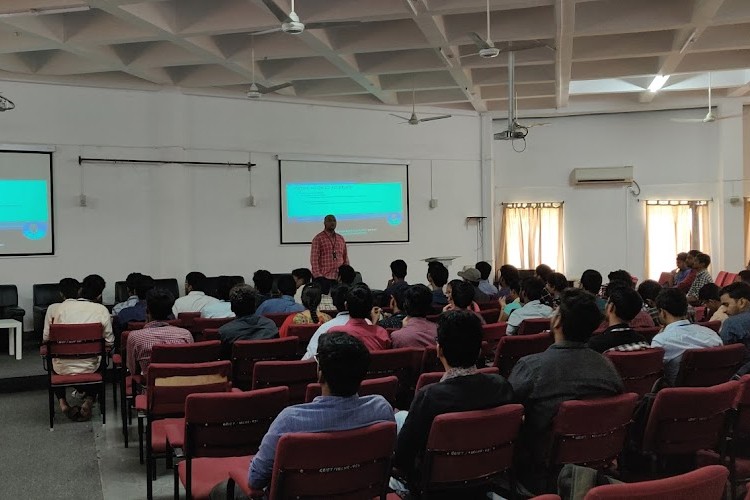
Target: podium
[(446, 261)]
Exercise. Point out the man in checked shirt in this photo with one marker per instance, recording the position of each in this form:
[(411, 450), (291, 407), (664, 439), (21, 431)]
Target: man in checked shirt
[(328, 251)]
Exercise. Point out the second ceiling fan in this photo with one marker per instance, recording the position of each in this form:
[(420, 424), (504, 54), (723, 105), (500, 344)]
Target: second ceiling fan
[(290, 23)]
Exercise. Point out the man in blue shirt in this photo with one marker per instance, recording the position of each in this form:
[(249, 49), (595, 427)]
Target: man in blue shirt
[(143, 285), (485, 269), (736, 328), (285, 303)]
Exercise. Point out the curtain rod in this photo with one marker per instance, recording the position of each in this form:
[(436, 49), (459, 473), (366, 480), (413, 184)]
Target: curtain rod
[(533, 203), (674, 203), (82, 160)]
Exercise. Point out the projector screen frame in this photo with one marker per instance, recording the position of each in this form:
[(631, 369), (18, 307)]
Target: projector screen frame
[(49, 151), (342, 159)]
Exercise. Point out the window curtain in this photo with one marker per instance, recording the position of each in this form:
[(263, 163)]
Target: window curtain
[(532, 234), (673, 227), (747, 230)]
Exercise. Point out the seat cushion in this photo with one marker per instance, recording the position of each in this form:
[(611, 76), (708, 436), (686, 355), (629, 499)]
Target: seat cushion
[(710, 457), (83, 378), (159, 434), (175, 432), (208, 472), (140, 402)]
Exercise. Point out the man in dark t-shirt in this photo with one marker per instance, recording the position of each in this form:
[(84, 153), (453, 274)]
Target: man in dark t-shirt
[(623, 305)]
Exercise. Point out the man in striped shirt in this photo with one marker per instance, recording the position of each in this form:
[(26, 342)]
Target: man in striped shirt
[(156, 331)]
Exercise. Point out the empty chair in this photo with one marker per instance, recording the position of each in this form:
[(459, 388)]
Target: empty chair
[(591, 432), (468, 450), (514, 347), (222, 430), (709, 366), (492, 333), (293, 374), (706, 483), (531, 326), (434, 377), (385, 386), (9, 303), (403, 363), (245, 353), (44, 294), (278, 318), (303, 333), (198, 352), (639, 370), (490, 315)]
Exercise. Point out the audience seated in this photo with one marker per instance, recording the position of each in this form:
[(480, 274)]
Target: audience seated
[(326, 295), (508, 274), (643, 319), (542, 272), (702, 276), (591, 281), (437, 276), (556, 283), (461, 297), (531, 295), (247, 325), (398, 280), (339, 301), (342, 365), (302, 276), (283, 304), (137, 312), (461, 388), (222, 308), (86, 309), (312, 314), (649, 290), (416, 330), (70, 288), (195, 298), (679, 274), (678, 334), (744, 276), (395, 320), (485, 269), (687, 282), (710, 298), (735, 299), (156, 331), (130, 283), (359, 303), (623, 305), (472, 276), (511, 301), (346, 275), (565, 371), (263, 282)]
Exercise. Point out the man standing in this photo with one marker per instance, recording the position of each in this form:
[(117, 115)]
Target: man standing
[(328, 251)]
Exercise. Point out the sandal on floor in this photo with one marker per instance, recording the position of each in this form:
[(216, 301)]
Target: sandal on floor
[(85, 413), (73, 413)]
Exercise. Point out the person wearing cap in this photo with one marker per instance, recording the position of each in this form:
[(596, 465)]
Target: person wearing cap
[(473, 276)]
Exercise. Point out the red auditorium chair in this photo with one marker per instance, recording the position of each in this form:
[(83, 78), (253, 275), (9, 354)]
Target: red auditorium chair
[(385, 386), (187, 319), (492, 334), (720, 278), (665, 279), (709, 366), (403, 363), (706, 483), (713, 325), (278, 318), (532, 326), (514, 347), (221, 431), (344, 464), (202, 324), (303, 333), (639, 370), (245, 353), (197, 352), (430, 361), (648, 332), (434, 377), (490, 315), (293, 374)]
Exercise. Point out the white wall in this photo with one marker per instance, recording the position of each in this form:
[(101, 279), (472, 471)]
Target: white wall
[(605, 226), (168, 220)]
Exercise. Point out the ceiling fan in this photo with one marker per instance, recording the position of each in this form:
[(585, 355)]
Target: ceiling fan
[(710, 116), (6, 104), (413, 120), (291, 24), (487, 49), (256, 90)]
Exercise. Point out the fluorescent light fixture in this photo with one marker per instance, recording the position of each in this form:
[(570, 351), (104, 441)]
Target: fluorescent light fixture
[(45, 11), (658, 83)]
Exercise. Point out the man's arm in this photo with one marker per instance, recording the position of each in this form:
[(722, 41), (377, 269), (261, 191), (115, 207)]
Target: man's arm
[(412, 439), (315, 257), (109, 336), (522, 381), (728, 332), (261, 468)]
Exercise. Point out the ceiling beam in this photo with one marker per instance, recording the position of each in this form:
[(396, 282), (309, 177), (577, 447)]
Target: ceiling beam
[(739, 91), (703, 13), (434, 32), (565, 14)]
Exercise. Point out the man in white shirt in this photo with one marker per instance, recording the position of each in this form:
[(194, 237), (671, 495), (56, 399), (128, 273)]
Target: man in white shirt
[(342, 318), (86, 309), (531, 294), (195, 298), (69, 290), (678, 334), (222, 308)]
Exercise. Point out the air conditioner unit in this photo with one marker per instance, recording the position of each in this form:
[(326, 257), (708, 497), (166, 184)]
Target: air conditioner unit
[(601, 175)]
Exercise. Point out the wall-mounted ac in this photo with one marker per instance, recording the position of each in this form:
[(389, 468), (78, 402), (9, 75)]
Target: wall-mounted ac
[(601, 175)]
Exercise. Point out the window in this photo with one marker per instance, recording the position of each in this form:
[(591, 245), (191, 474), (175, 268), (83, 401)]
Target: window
[(532, 234), (674, 226)]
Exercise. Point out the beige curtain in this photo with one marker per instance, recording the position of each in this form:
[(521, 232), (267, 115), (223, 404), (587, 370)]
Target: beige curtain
[(747, 230), (673, 227), (531, 234)]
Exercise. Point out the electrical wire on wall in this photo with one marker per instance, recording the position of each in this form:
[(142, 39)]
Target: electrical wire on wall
[(81, 196), (250, 197)]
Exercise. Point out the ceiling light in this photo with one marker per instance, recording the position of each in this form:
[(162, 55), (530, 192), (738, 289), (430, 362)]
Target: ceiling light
[(658, 83), (45, 11), (689, 40)]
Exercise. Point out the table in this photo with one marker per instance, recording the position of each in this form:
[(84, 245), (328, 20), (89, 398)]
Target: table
[(15, 329)]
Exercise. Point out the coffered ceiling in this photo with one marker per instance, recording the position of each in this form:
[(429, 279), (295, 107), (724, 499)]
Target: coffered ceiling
[(597, 51)]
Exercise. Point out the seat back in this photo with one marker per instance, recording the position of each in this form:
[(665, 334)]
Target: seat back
[(245, 353), (138, 325), (386, 387), (346, 464), (169, 384), (230, 424), (278, 318), (700, 314), (433, 317), (202, 324), (8, 296), (665, 278), (492, 333), (713, 325), (293, 374), (688, 419), (303, 333), (720, 278), (46, 293), (430, 360), (706, 483), (639, 370), (532, 326), (709, 366), (648, 332), (591, 432), (434, 377), (187, 319), (490, 315), (514, 347), (742, 407), (403, 363), (469, 449), (730, 278), (198, 352), (75, 341)]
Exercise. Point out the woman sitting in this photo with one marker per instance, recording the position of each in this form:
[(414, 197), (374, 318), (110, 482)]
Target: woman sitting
[(311, 294)]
